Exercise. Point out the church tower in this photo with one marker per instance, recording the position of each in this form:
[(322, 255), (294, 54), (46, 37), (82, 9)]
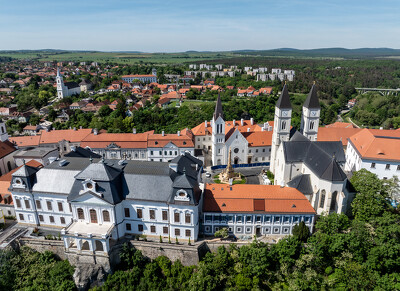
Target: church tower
[(283, 115), (3, 131), (218, 134), (60, 85), (310, 115)]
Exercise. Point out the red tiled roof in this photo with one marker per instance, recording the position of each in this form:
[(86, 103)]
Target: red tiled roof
[(341, 125), (6, 147), (54, 136), (336, 134), (123, 140), (158, 140), (241, 198), (25, 141), (377, 144)]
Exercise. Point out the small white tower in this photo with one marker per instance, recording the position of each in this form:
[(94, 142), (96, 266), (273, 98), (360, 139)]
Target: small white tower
[(154, 72), (60, 85), (218, 135), (310, 115), (283, 115)]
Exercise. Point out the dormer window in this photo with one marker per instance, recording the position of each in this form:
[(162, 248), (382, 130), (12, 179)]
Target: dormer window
[(89, 185), (18, 183), (181, 195)]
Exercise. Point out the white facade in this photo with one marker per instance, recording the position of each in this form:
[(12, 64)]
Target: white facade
[(384, 169), (218, 141), (310, 123), (281, 132), (250, 224)]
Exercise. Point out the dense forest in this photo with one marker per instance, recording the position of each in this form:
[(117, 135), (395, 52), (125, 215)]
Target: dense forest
[(360, 252), (375, 110), (26, 269)]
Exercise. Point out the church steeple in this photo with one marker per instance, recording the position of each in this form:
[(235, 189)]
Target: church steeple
[(310, 115), (284, 99), (218, 108), (312, 101)]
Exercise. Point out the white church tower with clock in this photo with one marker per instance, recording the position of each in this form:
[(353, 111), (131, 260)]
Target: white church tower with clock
[(310, 115), (218, 135), (283, 115)]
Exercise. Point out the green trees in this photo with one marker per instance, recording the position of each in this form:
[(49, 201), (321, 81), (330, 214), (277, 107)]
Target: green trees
[(30, 270), (301, 231)]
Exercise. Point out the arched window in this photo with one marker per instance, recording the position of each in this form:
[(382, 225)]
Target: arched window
[(93, 216), (312, 125), (322, 199), (2, 129), (106, 216), (9, 166), (80, 213), (333, 201), (283, 124)]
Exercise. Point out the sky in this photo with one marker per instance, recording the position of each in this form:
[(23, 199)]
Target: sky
[(218, 25)]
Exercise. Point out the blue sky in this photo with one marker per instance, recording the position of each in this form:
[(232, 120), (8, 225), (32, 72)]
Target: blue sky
[(174, 25)]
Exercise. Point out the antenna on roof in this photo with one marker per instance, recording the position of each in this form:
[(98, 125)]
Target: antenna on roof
[(91, 159)]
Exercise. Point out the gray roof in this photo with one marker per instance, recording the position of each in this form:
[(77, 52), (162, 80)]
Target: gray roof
[(71, 85), (284, 99), (116, 181), (321, 158), (312, 101), (25, 171), (302, 183), (38, 152), (218, 108), (80, 152), (99, 171)]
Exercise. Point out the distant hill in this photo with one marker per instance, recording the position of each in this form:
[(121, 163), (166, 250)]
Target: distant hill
[(325, 52)]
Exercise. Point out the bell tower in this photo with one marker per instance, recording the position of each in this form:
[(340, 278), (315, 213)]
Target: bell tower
[(218, 134), (310, 115), (283, 115), (60, 84)]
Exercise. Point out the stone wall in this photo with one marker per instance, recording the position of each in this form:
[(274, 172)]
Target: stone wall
[(188, 255), (54, 246)]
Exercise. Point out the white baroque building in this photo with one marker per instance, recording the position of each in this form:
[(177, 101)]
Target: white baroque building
[(97, 202), (66, 89)]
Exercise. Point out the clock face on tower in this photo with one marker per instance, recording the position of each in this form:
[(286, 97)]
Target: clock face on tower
[(313, 113), (284, 113)]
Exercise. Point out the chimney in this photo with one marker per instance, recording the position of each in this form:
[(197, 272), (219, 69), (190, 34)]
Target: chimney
[(205, 124), (252, 121), (80, 127), (248, 129), (74, 128), (265, 125), (234, 122), (163, 133), (242, 121), (95, 132), (178, 133), (262, 128), (230, 182), (134, 130)]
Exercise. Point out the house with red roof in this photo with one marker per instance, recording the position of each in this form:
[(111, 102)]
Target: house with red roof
[(248, 210)]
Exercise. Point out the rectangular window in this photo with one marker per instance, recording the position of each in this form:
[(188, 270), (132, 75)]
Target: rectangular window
[(372, 165), (51, 219), (38, 204), (151, 153), (27, 204), (258, 219), (387, 167), (140, 227), (41, 219), (177, 232), (188, 232), (165, 215), (187, 218), (60, 206), (127, 213), (18, 203), (176, 153), (398, 168), (128, 226), (170, 153), (176, 216), (49, 206), (160, 153), (165, 153), (239, 219), (152, 214), (21, 217), (62, 219), (70, 207), (248, 219), (165, 230), (153, 228), (139, 213)]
